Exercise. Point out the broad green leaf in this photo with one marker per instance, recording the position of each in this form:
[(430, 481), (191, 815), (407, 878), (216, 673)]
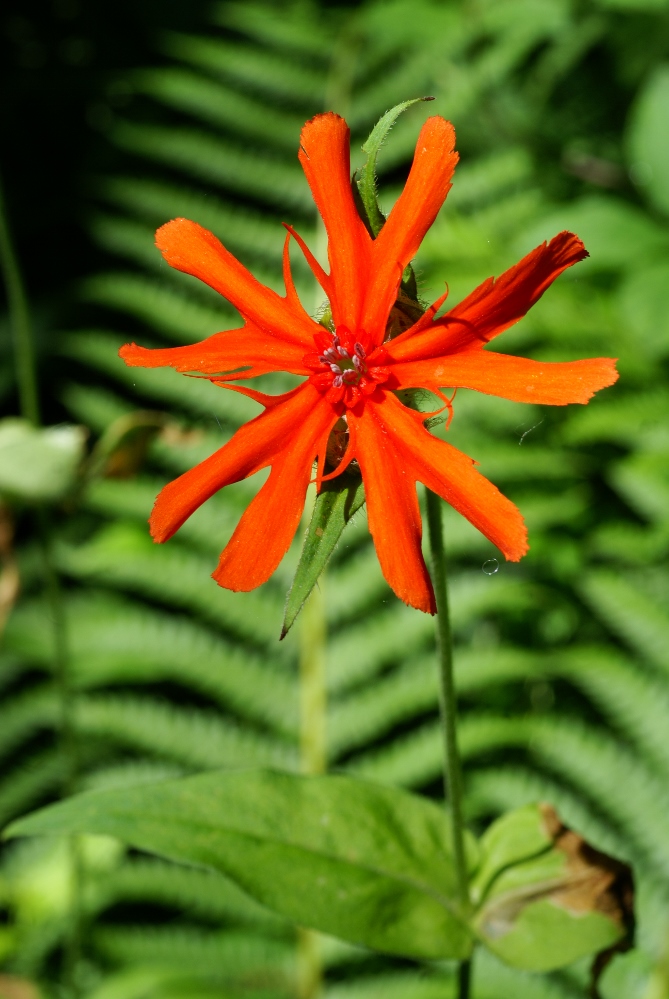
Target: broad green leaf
[(565, 902), (360, 861), (649, 139), (513, 838), (365, 177), (38, 465), (335, 505)]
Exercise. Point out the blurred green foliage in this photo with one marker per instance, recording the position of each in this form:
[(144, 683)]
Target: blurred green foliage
[(562, 114)]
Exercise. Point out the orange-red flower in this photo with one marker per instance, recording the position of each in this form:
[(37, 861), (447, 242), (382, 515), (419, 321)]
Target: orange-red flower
[(354, 372)]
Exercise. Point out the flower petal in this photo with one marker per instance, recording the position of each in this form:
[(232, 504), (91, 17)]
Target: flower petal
[(287, 436), (247, 352), (494, 305), (268, 525), (412, 215), (254, 446), (325, 158), (517, 378), (395, 451), (392, 505), (188, 247)]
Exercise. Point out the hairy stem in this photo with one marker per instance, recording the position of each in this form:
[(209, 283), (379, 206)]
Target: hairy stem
[(448, 710), (313, 758)]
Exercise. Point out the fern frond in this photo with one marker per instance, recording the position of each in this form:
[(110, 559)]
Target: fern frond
[(199, 893), (113, 641), (631, 614), (241, 228), (365, 715), (252, 70), (94, 407), (212, 160), (634, 700), (27, 713), (292, 30), (100, 350), (33, 780), (246, 959), (123, 556), (159, 304), (192, 737), (221, 106)]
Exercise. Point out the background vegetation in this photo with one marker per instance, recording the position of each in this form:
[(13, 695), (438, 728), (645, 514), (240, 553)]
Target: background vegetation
[(562, 114)]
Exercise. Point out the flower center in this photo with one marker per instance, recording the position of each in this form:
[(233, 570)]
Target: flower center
[(344, 367)]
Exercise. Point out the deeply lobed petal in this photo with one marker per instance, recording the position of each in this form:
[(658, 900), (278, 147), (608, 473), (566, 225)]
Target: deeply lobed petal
[(494, 305), (412, 215), (188, 247), (286, 437), (248, 352), (395, 451), (325, 158), (517, 378)]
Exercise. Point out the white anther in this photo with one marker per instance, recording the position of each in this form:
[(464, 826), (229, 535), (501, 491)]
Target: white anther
[(335, 369), (337, 382), (360, 350), (342, 351)]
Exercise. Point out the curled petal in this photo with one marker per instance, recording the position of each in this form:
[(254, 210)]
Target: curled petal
[(188, 247), (547, 383), (494, 305)]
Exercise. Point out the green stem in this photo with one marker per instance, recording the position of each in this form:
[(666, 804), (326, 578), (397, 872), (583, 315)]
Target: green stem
[(448, 710), (26, 377), (313, 759), (19, 317)]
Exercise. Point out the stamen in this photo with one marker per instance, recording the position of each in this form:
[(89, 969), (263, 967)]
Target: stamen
[(342, 351), (335, 369), (360, 350), (338, 381), (357, 364), (350, 376)]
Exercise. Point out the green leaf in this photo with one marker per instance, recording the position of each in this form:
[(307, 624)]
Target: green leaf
[(649, 139), (38, 465), (550, 898), (513, 838), (335, 505), (365, 177), (363, 862)]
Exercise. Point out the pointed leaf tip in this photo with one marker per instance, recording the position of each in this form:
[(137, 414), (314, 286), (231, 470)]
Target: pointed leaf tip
[(365, 178), (335, 506)]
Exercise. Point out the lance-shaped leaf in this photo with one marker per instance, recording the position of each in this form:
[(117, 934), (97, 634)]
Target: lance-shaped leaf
[(548, 897), (38, 465), (336, 503), (367, 863), (365, 177)]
